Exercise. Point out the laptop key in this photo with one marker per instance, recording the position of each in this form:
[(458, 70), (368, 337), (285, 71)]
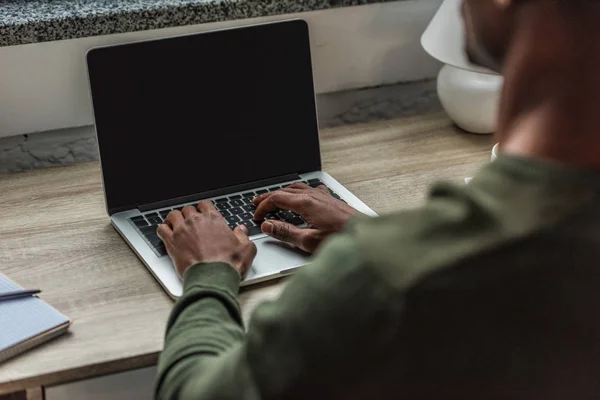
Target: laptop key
[(148, 230), (246, 217), (225, 213), (272, 217), (274, 188), (233, 219), (137, 218), (223, 206), (155, 220), (140, 222), (254, 230), (259, 192), (249, 224), (154, 240), (221, 200), (249, 208), (232, 226), (247, 200), (249, 194), (164, 213), (285, 215), (162, 250), (295, 221), (236, 203), (235, 197), (151, 215), (236, 211)]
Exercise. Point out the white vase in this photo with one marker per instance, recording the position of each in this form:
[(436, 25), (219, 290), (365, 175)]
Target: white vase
[(470, 98)]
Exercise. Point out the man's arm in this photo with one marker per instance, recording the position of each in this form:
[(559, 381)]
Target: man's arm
[(308, 340), (204, 325)]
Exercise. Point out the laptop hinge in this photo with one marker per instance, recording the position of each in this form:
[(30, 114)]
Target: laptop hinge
[(218, 192)]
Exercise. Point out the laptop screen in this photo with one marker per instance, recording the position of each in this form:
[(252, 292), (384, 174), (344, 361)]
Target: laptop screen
[(189, 114)]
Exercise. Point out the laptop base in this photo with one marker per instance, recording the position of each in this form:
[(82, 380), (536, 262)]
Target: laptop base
[(274, 258)]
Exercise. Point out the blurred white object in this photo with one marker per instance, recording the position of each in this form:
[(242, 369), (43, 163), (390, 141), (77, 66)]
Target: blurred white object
[(469, 93), (495, 152), (494, 156), (470, 98)]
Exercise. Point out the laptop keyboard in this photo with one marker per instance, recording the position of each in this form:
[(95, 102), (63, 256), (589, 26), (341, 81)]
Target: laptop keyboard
[(236, 209)]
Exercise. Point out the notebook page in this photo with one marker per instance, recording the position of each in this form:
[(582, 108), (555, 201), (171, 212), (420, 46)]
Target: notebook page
[(22, 319)]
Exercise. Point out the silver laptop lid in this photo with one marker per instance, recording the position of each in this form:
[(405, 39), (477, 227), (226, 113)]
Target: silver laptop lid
[(195, 113)]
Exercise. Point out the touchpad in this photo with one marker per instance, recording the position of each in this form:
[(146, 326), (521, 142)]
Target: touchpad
[(274, 257)]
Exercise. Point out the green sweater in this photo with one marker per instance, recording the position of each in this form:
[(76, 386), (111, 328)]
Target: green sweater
[(488, 291)]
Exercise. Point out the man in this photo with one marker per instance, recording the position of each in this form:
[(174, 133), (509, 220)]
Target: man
[(489, 291)]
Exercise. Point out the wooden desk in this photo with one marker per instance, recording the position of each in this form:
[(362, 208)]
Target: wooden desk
[(55, 235)]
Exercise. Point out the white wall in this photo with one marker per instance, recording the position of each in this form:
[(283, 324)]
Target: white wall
[(43, 86)]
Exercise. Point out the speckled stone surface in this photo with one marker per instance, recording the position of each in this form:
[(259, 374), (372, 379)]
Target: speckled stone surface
[(31, 21), (68, 146)]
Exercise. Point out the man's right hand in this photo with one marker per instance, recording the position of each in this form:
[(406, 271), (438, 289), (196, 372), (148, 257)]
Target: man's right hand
[(324, 214)]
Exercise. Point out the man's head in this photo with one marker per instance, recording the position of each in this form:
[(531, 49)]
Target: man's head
[(488, 27), (490, 24), (549, 54)]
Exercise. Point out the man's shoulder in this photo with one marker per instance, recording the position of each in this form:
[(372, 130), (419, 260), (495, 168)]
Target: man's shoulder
[(452, 225), (509, 200)]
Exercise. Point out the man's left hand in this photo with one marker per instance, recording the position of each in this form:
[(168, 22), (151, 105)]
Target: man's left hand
[(200, 235)]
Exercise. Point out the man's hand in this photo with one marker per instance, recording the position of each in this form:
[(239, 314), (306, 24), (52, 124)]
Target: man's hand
[(324, 213), (201, 235)]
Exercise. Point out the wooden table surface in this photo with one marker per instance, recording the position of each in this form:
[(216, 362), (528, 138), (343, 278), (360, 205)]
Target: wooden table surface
[(55, 235)]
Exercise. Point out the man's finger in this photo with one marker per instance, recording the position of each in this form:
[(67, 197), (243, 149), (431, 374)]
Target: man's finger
[(323, 189), (241, 232), (298, 185), (305, 239), (259, 199), (293, 190), (262, 197), (279, 199), (189, 212), (164, 232), (175, 219), (206, 207), (248, 254), (285, 232)]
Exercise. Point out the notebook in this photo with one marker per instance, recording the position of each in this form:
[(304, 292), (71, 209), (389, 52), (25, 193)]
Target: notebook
[(26, 323)]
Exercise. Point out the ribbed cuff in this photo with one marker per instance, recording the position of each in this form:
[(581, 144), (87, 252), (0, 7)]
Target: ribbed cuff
[(218, 275)]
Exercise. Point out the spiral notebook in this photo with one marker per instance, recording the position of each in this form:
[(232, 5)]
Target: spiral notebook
[(26, 323)]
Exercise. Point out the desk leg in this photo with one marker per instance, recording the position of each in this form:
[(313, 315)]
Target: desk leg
[(36, 394), (29, 394)]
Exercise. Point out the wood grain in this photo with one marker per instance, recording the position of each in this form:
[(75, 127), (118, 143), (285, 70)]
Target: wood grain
[(55, 235)]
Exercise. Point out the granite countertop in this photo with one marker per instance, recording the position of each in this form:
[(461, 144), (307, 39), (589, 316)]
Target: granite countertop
[(32, 21)]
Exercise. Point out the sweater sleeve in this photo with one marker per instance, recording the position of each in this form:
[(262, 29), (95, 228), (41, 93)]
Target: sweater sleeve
[(294, 346)]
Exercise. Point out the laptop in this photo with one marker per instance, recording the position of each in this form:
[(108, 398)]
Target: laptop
[(222, 115)]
